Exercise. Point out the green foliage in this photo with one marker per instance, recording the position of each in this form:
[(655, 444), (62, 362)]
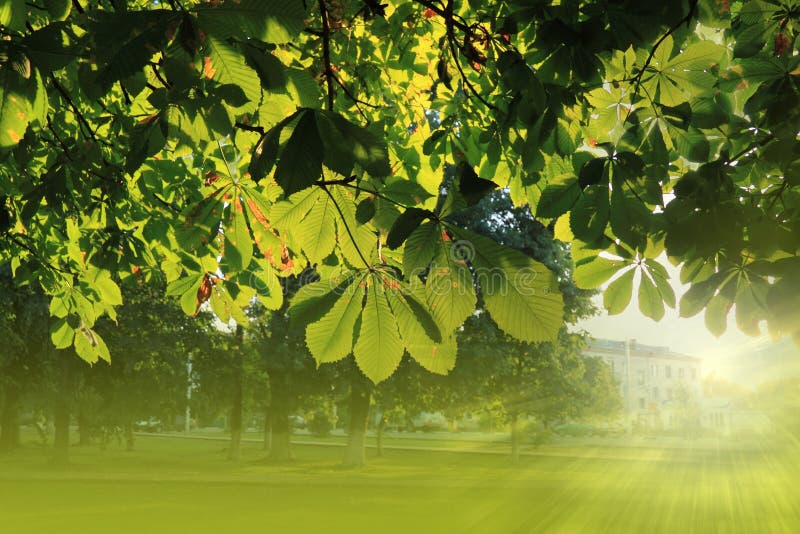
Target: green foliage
[(228, 145)]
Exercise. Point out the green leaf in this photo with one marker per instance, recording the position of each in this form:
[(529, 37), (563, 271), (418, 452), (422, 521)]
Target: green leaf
[(420, 248), (331, 338), (267, 286), (316, 234), (716, 317), (590, 215), (697, 296), (189, 299), (238, 244), (650, 303), (559, 196), (365, 211), (17, 96), (312, 301), (271, 21), (13, 14), (346, 144), (379, 349), (352, 236), (124, 43), (265, 152), (50, 47), (617, 295), (300, 163), (270, 70), (472, 187), (226, 65), (521, 294), (61, 333), (439, 358), (201, 221), (223, 305), (594, 273), (404, 226), (90, 347), (449, 288), (661, 278), (629, 219)]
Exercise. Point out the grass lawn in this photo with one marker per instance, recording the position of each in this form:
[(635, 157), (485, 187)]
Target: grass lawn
[(180, 485)]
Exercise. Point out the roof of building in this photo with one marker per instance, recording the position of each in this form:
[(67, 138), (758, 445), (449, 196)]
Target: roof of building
[(607, 346)]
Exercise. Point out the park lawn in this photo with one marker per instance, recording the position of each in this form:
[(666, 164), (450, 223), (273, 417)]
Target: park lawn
[(181, 485)]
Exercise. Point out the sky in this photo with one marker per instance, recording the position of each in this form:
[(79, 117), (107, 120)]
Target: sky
[(734, 356)]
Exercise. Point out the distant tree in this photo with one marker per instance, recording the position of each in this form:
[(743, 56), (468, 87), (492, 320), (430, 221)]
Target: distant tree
[(26, 355), (150, 345), (780, 399), (291, 372), (716, 386)]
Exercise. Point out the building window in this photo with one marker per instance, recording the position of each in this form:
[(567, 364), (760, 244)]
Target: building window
[(655, 394), (668, 371), (641, 403), (641, 377), (653, 370)]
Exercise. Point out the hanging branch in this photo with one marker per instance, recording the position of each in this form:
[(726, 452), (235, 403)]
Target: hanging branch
[(451, 40), (326, 51)]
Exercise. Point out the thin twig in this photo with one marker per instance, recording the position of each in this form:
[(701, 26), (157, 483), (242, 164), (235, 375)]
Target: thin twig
[(451, 40), (685, 20), (81, 119), (33, 253), (377, 194), (352, 97), (166, 204), (341, 181), (326, 51), (747, 151), (154, 66), (443, 13), (249, 128), (347, 228)]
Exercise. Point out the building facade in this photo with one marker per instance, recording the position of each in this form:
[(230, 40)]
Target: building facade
[(661, 389)]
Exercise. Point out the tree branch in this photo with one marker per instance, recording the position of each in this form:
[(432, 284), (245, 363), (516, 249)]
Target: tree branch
[(684, 20)]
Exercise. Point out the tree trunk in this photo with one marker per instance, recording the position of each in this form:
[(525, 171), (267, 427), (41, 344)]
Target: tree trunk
[(61, 411), (280, 435), (360, 394), (61, 434), (235, 447), (129, 437), (9, 424), (515, 438), (84, 437), (267, 428), (379, 435)]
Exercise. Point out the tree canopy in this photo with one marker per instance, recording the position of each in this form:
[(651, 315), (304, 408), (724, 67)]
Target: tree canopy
[(223, 145)]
